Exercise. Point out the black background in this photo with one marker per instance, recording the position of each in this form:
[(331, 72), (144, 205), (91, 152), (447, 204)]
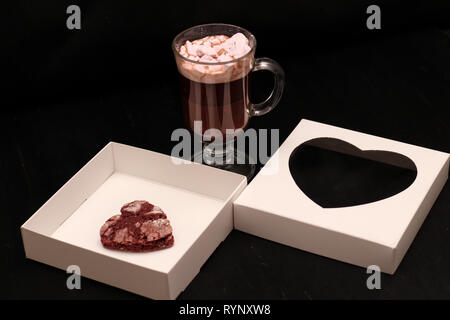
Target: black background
[(66, 93)]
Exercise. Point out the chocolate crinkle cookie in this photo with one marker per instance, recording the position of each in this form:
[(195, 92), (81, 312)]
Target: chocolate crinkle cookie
[(140, 227)]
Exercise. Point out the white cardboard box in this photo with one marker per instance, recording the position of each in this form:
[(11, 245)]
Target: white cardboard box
[(197, 200), (378, 233)]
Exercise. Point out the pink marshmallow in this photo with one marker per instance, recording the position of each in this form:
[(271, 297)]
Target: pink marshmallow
[(218, 49)]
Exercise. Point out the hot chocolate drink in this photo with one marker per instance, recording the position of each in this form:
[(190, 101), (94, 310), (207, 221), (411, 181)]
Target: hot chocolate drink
[(214, 61), (215, 82)]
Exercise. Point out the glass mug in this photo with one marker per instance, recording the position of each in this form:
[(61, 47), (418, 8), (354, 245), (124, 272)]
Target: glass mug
[(218, 93)]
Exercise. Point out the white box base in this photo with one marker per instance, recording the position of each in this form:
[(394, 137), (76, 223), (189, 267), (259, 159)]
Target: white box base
[(65, 230), (189, 216)]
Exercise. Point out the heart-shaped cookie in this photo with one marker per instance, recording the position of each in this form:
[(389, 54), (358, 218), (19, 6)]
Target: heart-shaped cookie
[(334, 173), (140, 227)]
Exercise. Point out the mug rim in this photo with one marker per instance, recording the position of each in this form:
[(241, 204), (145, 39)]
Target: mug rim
[(251, 51)]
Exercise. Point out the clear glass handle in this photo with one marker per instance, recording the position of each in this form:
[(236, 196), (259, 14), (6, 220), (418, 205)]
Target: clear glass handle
[(258, 109)]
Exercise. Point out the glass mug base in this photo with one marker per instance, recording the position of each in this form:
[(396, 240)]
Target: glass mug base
[(228, 158)]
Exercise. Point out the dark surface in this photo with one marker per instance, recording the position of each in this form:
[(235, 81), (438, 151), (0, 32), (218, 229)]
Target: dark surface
[(71, 92)]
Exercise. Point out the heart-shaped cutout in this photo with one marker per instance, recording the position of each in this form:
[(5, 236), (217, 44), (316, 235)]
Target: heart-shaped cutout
[(334, 173)]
